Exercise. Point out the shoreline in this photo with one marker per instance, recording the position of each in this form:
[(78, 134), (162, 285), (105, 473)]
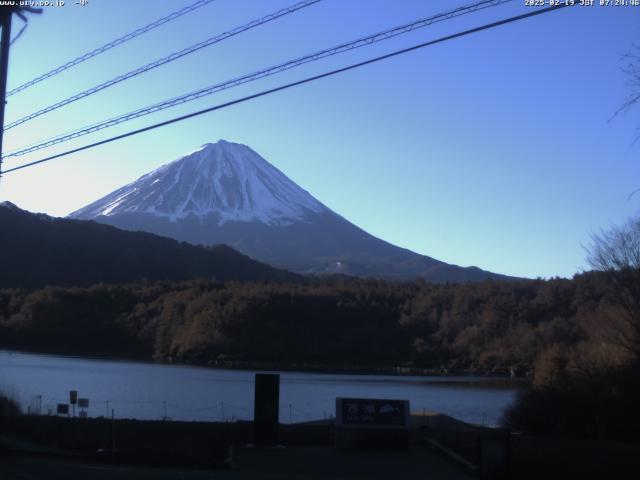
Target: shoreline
[(330, 369)]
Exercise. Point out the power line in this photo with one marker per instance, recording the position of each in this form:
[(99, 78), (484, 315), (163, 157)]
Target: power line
[(361, 42), (5, 41), (167, 59), (294, 84), (112, 44), (24, 27), (6, 17)]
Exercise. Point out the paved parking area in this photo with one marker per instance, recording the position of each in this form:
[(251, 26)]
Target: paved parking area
[(309, 463)]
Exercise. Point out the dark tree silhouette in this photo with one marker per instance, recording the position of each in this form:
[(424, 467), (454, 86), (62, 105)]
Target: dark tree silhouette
[(616, 252), (631, 68)]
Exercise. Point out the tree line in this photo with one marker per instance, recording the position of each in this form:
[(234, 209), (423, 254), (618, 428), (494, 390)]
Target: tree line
[(487, 326)]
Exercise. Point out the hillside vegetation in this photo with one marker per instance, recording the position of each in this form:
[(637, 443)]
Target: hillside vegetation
[(480, 326), (42, 250)]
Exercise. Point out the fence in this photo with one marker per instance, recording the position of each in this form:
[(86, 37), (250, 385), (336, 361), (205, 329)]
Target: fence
[(163, 410)]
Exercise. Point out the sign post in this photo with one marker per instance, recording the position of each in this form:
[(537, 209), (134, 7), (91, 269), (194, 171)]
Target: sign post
[(266, 409), (83, 404), (73, 399), (372, 422)]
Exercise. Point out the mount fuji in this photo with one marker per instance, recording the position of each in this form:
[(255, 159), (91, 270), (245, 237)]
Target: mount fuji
[(226, 193)]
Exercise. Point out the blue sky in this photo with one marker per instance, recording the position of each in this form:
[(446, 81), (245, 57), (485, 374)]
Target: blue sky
[(495, 150)]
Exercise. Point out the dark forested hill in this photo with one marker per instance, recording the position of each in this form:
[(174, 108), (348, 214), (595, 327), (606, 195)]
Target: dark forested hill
[(481, 326), (336, 320), (38, 250)]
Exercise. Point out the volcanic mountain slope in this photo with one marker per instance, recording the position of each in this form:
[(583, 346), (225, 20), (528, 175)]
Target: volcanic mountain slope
[(40, 250), (227, 193)]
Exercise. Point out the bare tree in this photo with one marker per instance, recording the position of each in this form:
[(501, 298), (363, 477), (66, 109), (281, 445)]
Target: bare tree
[(631, 68), (616, 252)]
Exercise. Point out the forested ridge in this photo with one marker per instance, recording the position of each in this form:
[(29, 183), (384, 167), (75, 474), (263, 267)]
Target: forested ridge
[(42, 250), (486, 326)]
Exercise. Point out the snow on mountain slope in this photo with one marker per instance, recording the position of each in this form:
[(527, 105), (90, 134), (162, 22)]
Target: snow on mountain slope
[(225, 193), (226, 180)]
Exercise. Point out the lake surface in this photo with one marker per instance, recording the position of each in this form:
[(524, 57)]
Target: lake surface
[(153, 391)]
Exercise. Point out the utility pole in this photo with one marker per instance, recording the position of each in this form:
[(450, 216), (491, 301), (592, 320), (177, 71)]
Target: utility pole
[(6, 14)]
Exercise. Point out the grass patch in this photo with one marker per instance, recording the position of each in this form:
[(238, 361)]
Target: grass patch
[(9, 407)]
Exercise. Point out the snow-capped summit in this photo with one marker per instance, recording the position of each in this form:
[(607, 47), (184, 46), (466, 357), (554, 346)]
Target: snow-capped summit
[(225, 180), (227, 193)]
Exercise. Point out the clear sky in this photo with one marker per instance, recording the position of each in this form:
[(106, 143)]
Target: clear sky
[(493, 150)]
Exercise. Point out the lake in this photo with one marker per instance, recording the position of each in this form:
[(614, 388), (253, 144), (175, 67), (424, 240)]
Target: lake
[(153, 391)]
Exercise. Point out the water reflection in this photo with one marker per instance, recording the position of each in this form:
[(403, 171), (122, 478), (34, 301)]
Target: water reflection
[(129, 389)]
